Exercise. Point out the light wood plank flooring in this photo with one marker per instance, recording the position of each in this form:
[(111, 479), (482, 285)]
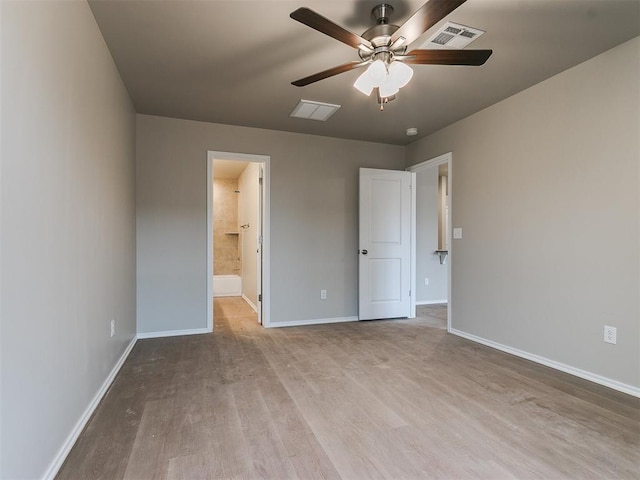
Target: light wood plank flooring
[(371, 400)]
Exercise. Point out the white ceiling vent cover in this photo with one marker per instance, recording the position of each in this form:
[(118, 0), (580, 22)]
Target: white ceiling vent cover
[(314, 110), (452, 35)]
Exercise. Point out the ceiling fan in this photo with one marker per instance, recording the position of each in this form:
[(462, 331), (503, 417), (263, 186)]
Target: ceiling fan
[(383, 48)]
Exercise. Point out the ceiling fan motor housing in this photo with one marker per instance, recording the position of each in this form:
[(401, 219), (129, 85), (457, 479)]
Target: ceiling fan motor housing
[(380, 36), (381, 13)]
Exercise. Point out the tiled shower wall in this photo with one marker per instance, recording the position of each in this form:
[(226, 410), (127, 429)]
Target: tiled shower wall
[(226, 255)]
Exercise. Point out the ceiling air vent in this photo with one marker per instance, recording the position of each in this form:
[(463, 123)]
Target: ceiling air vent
[(314, 110), (452, 35)]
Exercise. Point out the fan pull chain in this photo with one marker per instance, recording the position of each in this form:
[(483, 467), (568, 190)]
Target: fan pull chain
[(382, 102)]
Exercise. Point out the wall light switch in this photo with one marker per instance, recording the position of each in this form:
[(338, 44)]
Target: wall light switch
[(457, 233)]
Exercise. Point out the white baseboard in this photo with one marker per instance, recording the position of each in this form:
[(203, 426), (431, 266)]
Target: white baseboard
[(251, 304), (174, 333), (313, 321), (59, 459), (431, 302), (607, 382), (228, 294)]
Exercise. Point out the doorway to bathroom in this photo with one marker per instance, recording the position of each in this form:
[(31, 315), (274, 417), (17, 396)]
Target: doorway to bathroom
[(237, 231)]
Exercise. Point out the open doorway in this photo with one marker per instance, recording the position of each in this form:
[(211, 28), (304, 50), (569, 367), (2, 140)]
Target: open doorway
[(237, 231), (433, 239)]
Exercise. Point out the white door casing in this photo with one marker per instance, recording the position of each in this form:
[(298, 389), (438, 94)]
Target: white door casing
[(260, 240), (385, 244), (264, 285)]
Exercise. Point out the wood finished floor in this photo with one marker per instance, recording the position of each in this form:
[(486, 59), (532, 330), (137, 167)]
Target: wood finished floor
[(370, 400)]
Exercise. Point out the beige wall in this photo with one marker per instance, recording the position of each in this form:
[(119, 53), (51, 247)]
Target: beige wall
[(68, 226), (226, 253), (248, 214), (541, 181), (314, 235)]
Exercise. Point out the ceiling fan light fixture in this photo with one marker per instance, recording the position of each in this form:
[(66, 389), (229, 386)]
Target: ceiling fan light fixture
[(373, 77), (377, 72), (399, 74), (364, 84), (388, 89), (397, 77)]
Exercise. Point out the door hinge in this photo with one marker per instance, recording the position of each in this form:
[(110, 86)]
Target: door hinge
[(260, 239), (409, 292), (260, 297), (260, 180)]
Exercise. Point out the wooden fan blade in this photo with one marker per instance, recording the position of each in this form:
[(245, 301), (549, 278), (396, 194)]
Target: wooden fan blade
[(447, 57), (328, 73), (324, 25), (426, 17)]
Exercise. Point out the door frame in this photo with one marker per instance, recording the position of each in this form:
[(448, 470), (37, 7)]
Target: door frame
[(264, 160), (434, 162)]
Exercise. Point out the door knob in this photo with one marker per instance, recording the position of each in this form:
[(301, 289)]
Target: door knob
[(364, 252)]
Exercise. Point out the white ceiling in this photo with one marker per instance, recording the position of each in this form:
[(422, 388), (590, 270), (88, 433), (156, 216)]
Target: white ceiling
[(233, 61)]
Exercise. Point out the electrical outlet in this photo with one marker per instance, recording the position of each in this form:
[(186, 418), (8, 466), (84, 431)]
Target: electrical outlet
[(323, 294), (457, 233), (610, 334), (113, 327), (426, 281)]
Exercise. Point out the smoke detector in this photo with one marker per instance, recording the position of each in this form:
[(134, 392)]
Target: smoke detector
[(452, 35), (412, 131)]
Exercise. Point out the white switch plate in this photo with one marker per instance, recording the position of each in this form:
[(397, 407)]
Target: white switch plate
[(426, 281), (113, 327), (610, 334), (457, 233), (323, 294)]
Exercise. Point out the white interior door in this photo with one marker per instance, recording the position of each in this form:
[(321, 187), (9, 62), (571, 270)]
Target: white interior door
[(385, 243)]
